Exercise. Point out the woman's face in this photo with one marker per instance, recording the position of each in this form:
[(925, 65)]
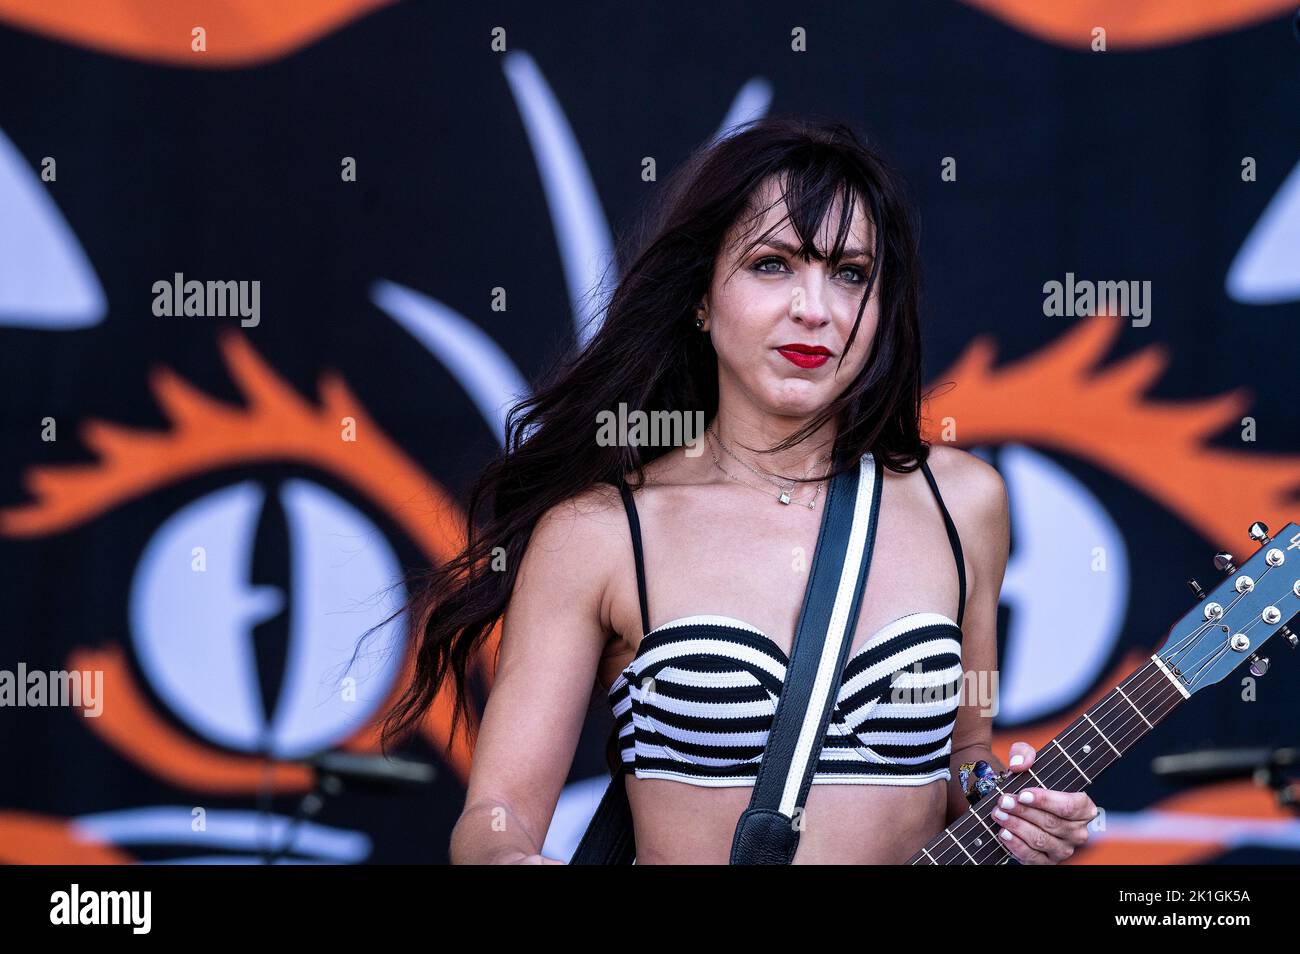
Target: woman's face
[(775, 299)]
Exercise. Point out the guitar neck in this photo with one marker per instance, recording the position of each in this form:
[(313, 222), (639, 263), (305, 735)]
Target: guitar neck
[(1069, 763)]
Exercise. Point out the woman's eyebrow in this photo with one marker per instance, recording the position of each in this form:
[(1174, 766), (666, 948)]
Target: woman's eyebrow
[(792, 251)]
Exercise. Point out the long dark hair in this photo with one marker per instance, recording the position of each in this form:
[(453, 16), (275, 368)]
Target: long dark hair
[(648, 354)]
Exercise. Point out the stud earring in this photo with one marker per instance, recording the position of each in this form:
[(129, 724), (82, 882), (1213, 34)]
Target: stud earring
[(699, 324)]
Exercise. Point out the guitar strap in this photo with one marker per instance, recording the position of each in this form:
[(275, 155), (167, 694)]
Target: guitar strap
[(766, 832)]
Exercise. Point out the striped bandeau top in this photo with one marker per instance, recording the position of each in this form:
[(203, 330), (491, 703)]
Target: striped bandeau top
[(697, 700), (696, 703)]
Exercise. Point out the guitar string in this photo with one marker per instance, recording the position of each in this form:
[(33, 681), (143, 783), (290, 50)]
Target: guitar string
[(1044, 772), (1179, 646), (1059, 774), (1048, 773), (1147, 677), (1200, 629), (1124, 742), (1091, 764), (1129, 737), (1203, 664), (1051, 770), (1217, 652), (1144, 681), (1048, 770)]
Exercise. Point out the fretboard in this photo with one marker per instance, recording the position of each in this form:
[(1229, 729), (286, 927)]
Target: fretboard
[(1069, 763)]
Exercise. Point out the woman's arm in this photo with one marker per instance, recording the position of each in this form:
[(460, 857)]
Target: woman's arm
[(1047, 829), (977, 501), (553, 632)]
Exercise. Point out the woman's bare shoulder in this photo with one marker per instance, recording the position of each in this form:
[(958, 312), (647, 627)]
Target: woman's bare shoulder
[(598, 513), (967, 482), (975, 496), (588, 517), (572, 548)]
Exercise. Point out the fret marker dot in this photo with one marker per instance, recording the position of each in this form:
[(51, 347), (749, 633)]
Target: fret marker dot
[(1087, 749)]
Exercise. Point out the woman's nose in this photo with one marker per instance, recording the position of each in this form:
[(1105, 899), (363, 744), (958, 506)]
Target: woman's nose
[(808, 303)]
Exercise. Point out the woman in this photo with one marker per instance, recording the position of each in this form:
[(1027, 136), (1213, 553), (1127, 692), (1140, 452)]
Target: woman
[(775, 295)]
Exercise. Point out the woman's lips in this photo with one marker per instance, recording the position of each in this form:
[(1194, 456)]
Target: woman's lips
[(804, 360)]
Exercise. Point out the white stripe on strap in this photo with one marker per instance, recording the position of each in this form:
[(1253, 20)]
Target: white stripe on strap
[(808, 743)]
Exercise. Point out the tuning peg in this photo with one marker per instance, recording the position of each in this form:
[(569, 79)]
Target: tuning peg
[(1291, 637), (1224, 563), (1258, 664), (1259, 532), (1196, 588)]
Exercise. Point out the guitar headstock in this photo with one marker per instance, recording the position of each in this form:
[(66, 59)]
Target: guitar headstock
[(1231, 623)]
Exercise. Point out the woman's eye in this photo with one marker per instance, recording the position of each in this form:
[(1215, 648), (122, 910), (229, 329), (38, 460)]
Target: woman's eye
[(859, 274)]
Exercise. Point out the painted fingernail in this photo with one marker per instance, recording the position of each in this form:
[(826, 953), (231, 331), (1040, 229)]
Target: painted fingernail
[(1026, 796), (1007, 802), (1017, 760), (1000, 815), (1006, 834)]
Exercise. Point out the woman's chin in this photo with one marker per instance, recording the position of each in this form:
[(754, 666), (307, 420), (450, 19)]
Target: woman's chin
[(787, 396), (802, 405)]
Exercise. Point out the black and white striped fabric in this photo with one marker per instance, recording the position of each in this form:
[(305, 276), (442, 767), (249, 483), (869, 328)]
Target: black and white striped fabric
[(697, 702), (706, 701)]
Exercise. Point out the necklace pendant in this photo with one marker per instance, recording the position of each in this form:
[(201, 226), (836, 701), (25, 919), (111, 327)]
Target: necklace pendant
[(784, 498)]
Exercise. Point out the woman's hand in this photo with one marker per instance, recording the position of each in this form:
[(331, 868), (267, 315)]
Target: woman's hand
[(1047, 828)]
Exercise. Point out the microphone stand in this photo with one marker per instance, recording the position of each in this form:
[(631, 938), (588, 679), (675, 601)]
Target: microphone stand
[(1271, 767), (332, 771)]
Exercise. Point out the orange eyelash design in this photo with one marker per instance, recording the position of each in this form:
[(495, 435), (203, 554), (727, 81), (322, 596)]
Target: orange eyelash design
[(275, 425), (1055, 398), (249, 31), (1131, 26)]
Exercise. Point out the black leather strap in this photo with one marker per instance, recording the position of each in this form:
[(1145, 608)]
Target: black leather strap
[(767, 832), (609, 839)]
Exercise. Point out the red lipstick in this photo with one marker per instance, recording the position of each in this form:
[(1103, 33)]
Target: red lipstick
[(804, 355)]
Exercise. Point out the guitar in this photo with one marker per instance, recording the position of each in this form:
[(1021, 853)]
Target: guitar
[(1226, 628)]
